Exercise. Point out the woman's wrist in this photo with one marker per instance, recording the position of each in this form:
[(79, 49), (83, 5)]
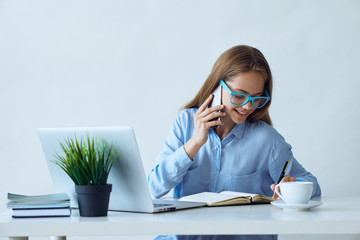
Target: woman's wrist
[(191, 148)]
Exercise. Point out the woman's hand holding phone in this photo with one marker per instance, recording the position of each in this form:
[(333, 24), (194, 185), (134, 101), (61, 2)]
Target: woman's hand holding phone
[(204, 120)]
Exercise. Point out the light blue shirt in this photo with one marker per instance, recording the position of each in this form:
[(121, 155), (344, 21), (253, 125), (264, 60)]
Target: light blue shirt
[(249, 159)]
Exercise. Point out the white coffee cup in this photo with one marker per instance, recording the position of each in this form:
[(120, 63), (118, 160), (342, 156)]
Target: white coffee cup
[(295, 192)]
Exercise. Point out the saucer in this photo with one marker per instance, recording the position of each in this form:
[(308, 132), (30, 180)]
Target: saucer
[(296, 207)]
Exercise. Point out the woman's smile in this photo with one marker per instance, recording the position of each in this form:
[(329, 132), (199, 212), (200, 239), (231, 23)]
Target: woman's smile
[(241, 113)]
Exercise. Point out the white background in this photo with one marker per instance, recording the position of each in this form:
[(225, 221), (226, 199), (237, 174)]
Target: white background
[(106, 63)]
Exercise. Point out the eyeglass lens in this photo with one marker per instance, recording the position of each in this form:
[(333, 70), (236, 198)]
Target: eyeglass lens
[(239, 99)]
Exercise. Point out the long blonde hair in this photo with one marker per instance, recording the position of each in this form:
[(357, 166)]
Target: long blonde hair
[(238, 59)]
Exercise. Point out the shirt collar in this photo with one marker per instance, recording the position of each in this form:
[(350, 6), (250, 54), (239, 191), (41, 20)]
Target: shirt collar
[(238, 130)]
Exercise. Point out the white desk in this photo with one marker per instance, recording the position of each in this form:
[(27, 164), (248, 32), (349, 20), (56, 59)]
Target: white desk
[(335, 216)]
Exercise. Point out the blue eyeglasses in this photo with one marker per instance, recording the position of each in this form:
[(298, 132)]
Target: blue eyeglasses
[(239, 99)]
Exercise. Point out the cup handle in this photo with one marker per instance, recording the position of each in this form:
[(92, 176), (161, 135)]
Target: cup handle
[(277, 191)]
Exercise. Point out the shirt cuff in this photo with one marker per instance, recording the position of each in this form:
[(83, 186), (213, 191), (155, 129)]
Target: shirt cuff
[(182, 160)]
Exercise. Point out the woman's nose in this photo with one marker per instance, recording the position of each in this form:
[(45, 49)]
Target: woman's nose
[(248, 105)]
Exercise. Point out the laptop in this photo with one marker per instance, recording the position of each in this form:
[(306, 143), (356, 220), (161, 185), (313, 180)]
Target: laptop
[(130, 191)]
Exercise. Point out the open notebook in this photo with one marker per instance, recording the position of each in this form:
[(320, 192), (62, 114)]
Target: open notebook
[(227, 198)]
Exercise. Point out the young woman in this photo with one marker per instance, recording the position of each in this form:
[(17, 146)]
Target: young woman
[(241, 151)]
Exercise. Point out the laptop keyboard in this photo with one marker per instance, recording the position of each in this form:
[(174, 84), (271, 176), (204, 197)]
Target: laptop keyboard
[(161, 204)]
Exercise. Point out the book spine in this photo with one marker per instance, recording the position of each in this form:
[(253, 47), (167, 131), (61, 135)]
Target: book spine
[(42, 216), (14, 209)]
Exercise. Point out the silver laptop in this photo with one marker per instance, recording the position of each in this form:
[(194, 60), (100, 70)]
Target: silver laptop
[(130, 191)]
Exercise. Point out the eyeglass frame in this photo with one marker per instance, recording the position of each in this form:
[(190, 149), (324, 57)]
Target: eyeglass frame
[(249, 98)]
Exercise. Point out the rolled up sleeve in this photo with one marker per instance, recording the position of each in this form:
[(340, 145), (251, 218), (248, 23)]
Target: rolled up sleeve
[(172, 163)]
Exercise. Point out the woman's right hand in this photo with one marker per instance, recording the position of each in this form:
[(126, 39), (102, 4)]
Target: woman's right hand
[(202, 121)]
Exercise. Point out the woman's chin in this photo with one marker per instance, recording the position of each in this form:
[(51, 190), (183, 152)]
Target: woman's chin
[(239, 118)]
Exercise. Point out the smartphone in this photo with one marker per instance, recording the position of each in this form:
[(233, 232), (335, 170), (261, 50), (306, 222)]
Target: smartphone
[(216, 100)]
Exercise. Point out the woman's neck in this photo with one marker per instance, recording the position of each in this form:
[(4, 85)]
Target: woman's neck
[(225, 129)]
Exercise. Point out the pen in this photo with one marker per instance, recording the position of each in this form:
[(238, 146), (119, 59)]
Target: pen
[(282, 174)]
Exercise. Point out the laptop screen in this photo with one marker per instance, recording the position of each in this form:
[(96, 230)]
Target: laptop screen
[(130, 190)]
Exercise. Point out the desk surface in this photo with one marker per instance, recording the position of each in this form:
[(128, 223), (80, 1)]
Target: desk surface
[(335, 216)]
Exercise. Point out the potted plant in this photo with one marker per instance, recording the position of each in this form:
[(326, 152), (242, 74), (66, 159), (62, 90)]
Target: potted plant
[(88, 163)]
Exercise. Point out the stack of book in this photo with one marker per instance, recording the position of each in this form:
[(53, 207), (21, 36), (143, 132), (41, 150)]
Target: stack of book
[(52, 205)]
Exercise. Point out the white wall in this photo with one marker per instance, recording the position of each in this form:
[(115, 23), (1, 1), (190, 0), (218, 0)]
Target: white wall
[(104, 63)]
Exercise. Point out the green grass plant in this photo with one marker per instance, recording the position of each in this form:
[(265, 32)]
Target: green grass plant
[(86, 162)]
